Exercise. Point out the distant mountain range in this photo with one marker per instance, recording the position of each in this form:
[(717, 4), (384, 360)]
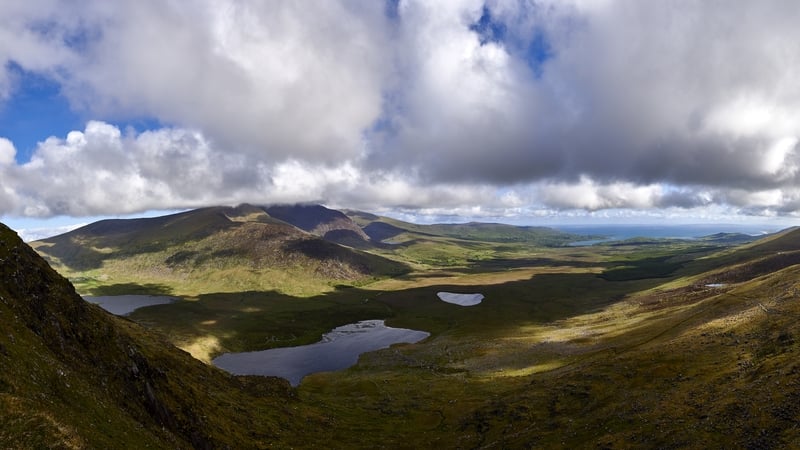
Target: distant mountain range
[(298, 248), (232, 247)]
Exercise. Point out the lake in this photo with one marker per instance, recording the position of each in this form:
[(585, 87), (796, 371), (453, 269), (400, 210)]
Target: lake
[(460, 299), (122, 305), (338, 349)]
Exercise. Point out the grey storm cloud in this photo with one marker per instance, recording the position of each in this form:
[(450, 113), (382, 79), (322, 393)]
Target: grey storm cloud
[(496, 104), (678, 92)]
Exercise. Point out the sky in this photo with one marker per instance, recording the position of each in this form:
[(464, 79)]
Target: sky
[(521, 111)]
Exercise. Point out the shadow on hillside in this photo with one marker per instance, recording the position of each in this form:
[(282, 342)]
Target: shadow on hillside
[(250, 321), (81, 258), (245, 321), (508, 263), (75, 257), (361, 262), (132, 288)]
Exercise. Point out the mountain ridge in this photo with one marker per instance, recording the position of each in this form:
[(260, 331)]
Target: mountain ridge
[(197, 248)]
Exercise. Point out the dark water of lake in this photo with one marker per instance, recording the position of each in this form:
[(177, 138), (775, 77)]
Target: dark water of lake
[(338, 349), (122, 305)]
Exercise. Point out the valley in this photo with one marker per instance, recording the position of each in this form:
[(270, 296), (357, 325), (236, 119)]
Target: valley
[(399, 224), (640, 343)]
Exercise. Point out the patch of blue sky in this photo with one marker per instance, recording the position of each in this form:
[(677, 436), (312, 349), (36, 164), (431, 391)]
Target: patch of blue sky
[(81, 38), (538, 51), (535, 49), (489, 29), (36, 110), (392, 9)]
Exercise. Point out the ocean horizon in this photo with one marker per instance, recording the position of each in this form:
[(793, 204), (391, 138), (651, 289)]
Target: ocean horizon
[(618, 232)]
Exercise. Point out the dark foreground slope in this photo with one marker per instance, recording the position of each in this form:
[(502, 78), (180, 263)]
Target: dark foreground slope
[(73, 376)]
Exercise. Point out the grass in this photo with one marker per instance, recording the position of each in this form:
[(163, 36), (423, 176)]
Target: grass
[(247, 321), (612, 346), (203, 251)]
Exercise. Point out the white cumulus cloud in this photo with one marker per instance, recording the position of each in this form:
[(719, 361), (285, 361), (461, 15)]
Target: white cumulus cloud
[(481, 107)]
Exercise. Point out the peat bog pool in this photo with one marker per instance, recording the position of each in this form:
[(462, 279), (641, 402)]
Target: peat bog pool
[(122, 305), (460, 299), (338, 349)]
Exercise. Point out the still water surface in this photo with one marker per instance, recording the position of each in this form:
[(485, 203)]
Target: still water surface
[(337, 350), (122, 305)]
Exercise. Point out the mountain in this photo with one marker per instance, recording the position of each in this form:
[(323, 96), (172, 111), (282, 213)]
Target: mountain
[(382, 228), (330, 224), (73, 376), (228, 248), (703, 355), (710, 359)]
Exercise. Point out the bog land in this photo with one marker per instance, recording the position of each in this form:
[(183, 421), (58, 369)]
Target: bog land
[(645, 342)]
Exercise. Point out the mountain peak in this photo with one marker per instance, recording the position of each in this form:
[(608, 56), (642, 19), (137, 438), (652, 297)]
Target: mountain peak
[(317, 219)]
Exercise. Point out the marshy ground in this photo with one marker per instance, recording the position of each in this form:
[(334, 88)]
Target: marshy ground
[(611, 345)]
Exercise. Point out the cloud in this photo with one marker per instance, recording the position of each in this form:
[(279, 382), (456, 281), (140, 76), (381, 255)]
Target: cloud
[(102, 170), (494, 107), (7, 152), (271, 79), (34, 234), (676, 92)]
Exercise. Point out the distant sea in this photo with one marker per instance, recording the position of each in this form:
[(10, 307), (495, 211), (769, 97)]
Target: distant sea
[(622, 232)]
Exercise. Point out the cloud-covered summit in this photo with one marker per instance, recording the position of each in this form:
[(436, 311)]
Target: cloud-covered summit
[(477, 107)]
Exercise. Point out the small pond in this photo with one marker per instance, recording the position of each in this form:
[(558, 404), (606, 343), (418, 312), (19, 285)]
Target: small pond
[(338, 349), (122, 305), (460, 299)]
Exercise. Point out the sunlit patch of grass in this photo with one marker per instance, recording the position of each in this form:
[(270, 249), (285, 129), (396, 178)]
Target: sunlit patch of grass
[(526, 371), (203, 348)]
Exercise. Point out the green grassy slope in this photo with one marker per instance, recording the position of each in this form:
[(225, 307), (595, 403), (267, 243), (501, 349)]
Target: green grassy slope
[(208, 250), (618, 346), (559, 355), (382, 228), (572, 360), (73, 376)]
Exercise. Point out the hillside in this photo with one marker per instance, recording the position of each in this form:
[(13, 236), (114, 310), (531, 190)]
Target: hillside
[(73, 376), (330, 224), (218, 248), (567, 359), (673, 344), (316, 219), (381, 228)]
